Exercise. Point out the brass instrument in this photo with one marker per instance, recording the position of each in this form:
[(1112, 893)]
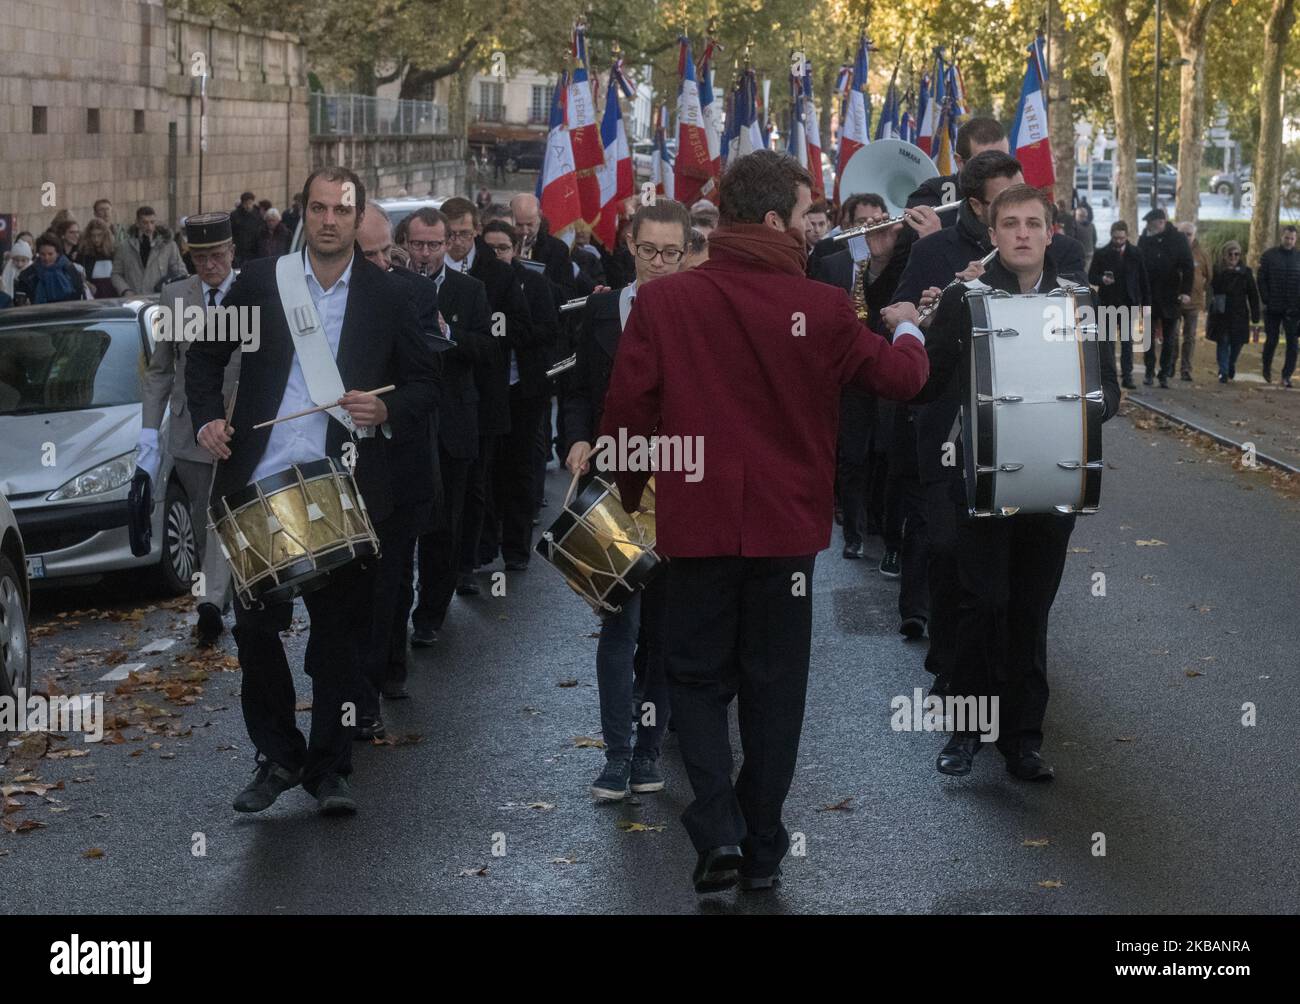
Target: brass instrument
[(871, 228), (859, 290)]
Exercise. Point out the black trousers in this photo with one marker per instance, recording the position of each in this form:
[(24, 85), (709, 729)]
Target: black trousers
[(479, 538), (739, 626), (390, 605), (439, 550), (1274, 326), (857, 417), (514, 495), (943, 500), (545, 447), (905, 522), (1009, 570), (1168, 327), (340, 632)]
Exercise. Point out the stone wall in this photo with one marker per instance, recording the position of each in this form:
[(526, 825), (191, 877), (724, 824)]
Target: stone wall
[(398, 165), (131, 61)]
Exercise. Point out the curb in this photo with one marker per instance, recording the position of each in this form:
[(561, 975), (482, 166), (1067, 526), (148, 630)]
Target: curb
[(1263, 458)]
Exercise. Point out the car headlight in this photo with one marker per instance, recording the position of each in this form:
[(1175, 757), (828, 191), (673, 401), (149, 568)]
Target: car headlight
[(104, 478)]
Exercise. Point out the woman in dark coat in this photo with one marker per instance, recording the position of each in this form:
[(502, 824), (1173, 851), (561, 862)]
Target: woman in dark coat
[(1234, 307), (51, 278)]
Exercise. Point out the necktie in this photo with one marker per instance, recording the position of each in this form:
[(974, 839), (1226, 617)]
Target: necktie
[(144, 250), (438, 281), (464, 264), (212, 297)]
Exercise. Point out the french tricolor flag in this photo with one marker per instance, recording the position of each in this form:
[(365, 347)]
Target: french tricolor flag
[(751, 130), (615, 174), (661, 164), (855, 124), (923, 125), (711, 105), (581, 111), (797, 142), (813, 133), (557, 183), (694, 165), (1030, 142)]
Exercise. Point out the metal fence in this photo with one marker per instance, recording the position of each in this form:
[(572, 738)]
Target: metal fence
[(363, 115)]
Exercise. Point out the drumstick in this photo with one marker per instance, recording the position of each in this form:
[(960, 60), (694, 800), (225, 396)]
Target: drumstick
[(320, 407)]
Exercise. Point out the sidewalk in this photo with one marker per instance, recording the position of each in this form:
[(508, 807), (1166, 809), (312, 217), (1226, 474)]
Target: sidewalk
[(1246, 410)]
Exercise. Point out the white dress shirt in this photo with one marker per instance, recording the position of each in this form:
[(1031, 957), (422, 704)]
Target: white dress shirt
[(302, 440), (222, 290)]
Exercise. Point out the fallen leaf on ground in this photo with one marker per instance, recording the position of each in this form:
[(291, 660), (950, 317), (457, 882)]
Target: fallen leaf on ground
[(567, 683), (587, 742), (26, 826), (542, 806), (564, 861), (1043, 842), (410, 739), (1151, 543), (1193, 672), (1051, 884), (472, 872), (94, 852), (1123, 739), (841, 806), (1081, 550), (627, 826), (302, 706), (64, 754), (29, 789)]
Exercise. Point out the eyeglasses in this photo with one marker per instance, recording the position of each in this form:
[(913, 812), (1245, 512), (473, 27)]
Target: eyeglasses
[(1234, 254), (500, 249), (648, 252), (425, 245), (460, 235)]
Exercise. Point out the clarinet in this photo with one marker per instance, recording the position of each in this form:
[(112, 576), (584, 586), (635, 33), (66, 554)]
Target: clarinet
[(927, 311)]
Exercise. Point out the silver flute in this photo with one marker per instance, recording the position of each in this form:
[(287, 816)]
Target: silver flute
[(563, 366), (927, 311), (871, 228), (576, 304)]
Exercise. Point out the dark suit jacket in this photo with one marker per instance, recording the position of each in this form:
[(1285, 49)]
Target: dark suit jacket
[(555, 253), (536, 358), (492, 373), (463, 304), (584, 401), (381, 344), (1131, 287), (1171, 269), (416, 479)]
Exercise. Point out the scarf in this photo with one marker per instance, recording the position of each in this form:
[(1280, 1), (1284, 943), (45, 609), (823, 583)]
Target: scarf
[(52, 282), (759, 244)]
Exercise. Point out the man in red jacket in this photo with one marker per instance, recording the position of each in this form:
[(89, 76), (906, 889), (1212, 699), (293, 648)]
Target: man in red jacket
[(744, 358)]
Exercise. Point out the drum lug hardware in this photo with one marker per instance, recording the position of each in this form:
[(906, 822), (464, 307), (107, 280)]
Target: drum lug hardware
[(1010, 468), (1068, 397), (997, 294), (1074, 465), (1010, 399), (1095, 395), (1066, 509), (1010, 510), (986, 470), (997, 332)]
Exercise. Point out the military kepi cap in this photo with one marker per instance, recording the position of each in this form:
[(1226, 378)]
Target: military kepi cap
[(207, 230)]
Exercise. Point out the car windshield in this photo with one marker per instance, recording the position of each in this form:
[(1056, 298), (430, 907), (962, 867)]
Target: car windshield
[(69, 366)]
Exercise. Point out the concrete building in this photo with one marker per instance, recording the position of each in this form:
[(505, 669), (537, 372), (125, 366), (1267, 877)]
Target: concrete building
[(100, 98)]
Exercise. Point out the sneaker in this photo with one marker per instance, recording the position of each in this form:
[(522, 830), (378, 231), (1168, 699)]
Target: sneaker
[(270, 782), (1286, 382), (1148, 380), (645, 775), (612, 784), (335, 796), (890, 565), (1223, 378), (853, 551)]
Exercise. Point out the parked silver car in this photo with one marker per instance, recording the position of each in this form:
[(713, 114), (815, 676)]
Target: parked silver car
[(15, 647), (70, 388)]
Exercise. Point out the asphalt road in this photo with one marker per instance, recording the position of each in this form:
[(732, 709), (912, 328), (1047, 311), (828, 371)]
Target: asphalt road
[(1198, 811)]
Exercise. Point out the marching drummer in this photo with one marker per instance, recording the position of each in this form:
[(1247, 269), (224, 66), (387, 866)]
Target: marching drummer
[(330, 320), (1008, 568), (658, 238)]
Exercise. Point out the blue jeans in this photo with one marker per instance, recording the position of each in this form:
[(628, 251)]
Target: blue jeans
[(1229, 350), (614, 680)]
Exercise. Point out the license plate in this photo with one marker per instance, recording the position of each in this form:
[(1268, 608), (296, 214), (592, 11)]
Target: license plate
[(36, 567)]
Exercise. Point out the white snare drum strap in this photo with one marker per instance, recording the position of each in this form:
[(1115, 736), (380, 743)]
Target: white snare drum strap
[(310, 343)]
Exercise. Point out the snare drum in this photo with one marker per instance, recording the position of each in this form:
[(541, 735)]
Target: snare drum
[(1032, 418), (284, 534), (604, 553)]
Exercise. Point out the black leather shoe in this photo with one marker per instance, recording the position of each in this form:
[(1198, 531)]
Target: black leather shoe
[(1186, 377), (1128, 383), (912, 628), (271, 781), (1029, 767), (210, 624), (955, 758), (853, 550), (1148, 380), (395, 691), (370, 728), (516, 566), (466, 586), (1164, 382), (335, 796), (717, 869), (760, 883), (423, 637)]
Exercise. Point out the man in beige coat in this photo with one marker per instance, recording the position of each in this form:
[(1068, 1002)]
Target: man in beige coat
[(213, 254), (146, 257), (1192, 311)]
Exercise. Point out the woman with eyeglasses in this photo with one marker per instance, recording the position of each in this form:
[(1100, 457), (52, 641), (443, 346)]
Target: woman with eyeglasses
[(1234, 308)]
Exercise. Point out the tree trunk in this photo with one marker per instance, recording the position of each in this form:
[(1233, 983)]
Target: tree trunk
[(1122, 31), (1059, 116), (1190, 24), (1267, 171)]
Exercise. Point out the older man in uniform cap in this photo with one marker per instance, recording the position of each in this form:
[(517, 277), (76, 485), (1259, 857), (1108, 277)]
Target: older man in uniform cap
[(213, 253)]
